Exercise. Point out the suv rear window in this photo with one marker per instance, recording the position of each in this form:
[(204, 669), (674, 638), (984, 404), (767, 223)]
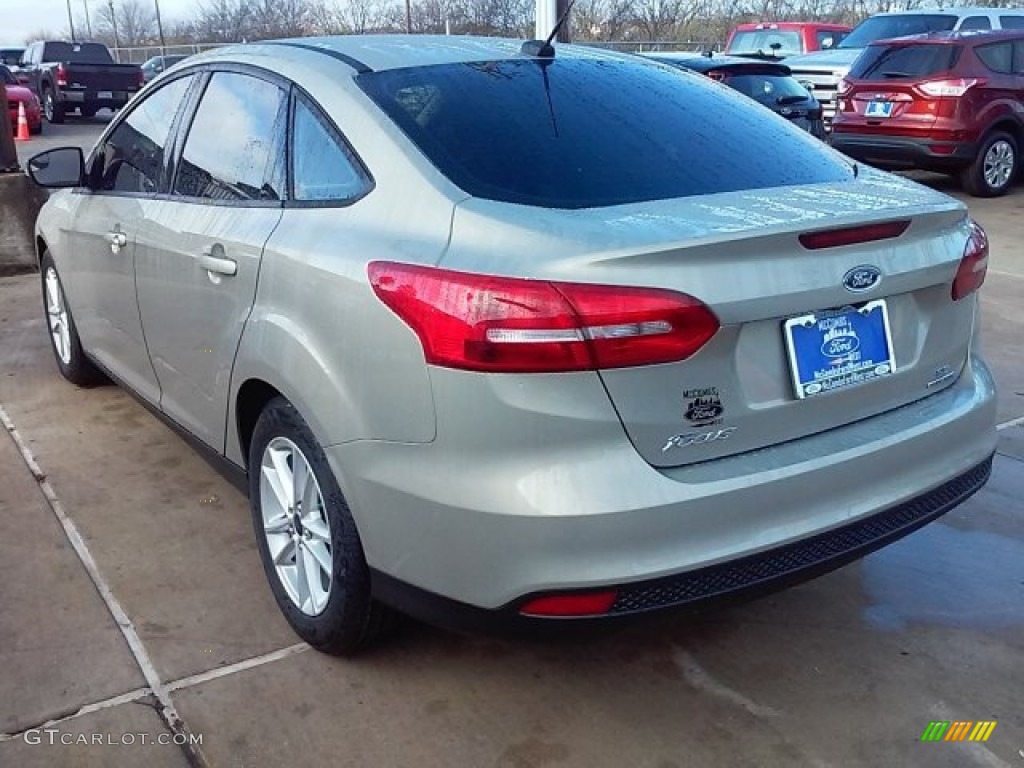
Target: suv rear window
[(585, 133), (904, 62), (902, 25)]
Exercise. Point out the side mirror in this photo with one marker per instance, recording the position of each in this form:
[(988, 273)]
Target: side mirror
[(57, 168)]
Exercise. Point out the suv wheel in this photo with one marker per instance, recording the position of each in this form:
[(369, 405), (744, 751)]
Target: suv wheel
[(307, 539), (994, 168)]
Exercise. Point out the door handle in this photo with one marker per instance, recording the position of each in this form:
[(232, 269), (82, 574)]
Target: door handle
[(221, 265), (117, 240)]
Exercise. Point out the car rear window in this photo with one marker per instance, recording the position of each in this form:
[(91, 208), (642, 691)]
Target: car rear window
[(887, 27), (904, 62), (770, 89), (1011, 22), (584, 133), (771, 42), (78, 53)]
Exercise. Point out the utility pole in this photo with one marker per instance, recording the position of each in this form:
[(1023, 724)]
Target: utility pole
[(408, 17), (71, 23), (160, 29), (88, 22), (113, 23)]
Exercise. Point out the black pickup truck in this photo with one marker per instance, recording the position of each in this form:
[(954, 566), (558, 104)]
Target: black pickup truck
[(80, 76)]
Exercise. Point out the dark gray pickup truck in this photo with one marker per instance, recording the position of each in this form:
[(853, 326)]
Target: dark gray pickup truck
[(82, 76)]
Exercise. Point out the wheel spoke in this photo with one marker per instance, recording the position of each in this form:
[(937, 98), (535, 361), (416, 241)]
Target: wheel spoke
[(278, 523), (302, 480), (301, 578), (321, 556), (318, 527), (282, 548)]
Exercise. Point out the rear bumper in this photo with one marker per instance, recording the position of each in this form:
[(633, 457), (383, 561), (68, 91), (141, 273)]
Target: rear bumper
[(905, 152), (449, 534), (97, 99), (735, 580)]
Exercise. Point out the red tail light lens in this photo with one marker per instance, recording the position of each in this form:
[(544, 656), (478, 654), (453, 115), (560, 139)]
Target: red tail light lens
[(141, 81), (511, 325), (953, 87), (591, 604), (973, 266), (62, 75), (833, 238)]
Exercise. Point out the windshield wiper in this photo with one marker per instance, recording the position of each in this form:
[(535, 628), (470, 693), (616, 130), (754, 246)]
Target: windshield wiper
[(792, 99)]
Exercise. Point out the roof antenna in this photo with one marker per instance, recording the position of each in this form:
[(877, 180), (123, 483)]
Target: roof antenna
[(543, 49)]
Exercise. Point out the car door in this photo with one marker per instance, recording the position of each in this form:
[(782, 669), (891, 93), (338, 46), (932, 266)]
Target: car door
[(126, 169), (198, 252)]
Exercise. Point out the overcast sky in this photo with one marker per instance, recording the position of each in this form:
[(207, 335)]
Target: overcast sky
[(23, 17)]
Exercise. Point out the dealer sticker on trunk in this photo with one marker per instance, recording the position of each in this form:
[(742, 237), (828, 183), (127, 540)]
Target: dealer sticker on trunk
[(832, 350)]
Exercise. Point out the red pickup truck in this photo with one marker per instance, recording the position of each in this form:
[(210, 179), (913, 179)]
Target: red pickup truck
[(779, 39)]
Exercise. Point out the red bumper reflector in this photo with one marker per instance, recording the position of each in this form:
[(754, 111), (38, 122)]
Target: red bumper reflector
[(833, 238), (589, 604)]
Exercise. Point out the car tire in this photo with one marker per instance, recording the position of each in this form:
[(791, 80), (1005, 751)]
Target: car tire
[(64, 341), (994, 168), (341, 618), (52, 108), (36, 129)]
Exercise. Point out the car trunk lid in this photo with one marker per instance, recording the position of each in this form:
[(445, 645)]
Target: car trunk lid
[(741, 254)]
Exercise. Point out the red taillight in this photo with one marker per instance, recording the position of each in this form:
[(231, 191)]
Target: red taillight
[(62, 75), (588, 604), (952, 87), (141, 78), (833, 238), (511, 325), (973, 266)]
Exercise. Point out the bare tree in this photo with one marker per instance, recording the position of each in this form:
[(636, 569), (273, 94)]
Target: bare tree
[(222, 21), (131, 22)]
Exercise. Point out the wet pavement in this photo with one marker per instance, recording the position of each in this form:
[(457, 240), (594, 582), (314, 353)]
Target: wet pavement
[(846, 670)]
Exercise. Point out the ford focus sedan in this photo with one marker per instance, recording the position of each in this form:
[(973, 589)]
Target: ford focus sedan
[(507, 337)]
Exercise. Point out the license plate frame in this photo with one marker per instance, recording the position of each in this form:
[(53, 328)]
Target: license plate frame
[(829, 350)]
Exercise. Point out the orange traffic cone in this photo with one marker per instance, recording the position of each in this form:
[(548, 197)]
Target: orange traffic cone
[(23, 134)]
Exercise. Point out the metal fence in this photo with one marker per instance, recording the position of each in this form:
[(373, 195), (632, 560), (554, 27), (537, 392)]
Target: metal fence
[(146, 52)]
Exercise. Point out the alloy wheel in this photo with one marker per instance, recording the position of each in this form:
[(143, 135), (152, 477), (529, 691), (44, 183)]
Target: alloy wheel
[(999, 164), (296, 525), (57, 315)]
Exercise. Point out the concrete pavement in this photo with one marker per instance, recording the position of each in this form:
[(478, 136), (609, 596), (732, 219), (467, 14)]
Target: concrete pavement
[(846, 670)]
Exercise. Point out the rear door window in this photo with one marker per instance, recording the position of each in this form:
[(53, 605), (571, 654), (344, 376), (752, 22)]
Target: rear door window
[(235, 150), (998, 57), (975, 24), (582, 132), (904, 62)]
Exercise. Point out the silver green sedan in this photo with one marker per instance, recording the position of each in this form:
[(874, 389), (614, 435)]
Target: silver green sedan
[(516, 338)]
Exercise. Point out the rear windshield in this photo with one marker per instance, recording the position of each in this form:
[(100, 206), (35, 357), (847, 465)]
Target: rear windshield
[(886, 27), (772, 90), (11, 56), (6, 77), (80, 53), (904, 62), (584, 133), (1011, 22), (770, 42)]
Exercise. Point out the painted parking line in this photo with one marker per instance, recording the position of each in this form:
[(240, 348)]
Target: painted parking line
[(166, 709), (1018, 422)]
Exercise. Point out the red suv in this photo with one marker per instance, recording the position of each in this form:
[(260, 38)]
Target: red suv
[(947, 102)]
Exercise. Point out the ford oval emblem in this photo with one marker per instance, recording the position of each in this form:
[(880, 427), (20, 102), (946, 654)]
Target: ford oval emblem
[(862, 278)]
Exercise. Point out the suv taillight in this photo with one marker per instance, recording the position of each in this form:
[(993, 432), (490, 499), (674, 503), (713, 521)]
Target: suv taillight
[(952, 87), (971, 273), (511, 325), (62, 75)]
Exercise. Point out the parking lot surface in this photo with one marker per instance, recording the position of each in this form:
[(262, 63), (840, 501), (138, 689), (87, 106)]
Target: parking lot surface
[(845, 670)]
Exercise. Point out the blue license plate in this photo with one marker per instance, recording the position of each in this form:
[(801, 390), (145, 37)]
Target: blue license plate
[(878, 109), (832, 350)]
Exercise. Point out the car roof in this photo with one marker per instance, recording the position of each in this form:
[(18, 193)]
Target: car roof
[(755, 25), (957, 11), (375, 53), (952, 38)]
